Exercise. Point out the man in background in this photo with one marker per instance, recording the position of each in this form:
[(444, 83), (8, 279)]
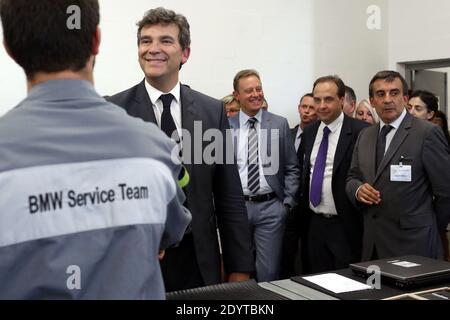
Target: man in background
[(307, 115), (349, 102)]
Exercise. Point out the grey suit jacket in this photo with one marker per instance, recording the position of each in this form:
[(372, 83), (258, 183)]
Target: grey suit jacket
[(411, 214), (281, 169)]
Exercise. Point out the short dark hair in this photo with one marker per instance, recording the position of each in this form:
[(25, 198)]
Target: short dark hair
[(350, 94), (161, 15), (388, 76), (336, 80), (38, 37), (306, 95), (430, 100), (244, 74)]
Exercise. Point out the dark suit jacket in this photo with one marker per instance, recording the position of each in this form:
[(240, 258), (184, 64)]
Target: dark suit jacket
[(214, 193), (410, 213), (294, 132), (348, 215)]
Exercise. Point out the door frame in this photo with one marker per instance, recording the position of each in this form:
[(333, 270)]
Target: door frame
[(410, 67)]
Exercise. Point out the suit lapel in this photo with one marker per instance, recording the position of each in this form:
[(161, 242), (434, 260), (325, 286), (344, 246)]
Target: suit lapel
[(265, 148), (308, 145), (396, 142), (145, 105), (188, 116), (371, 149), (294, 132), (235, 126), (187, 109), (344, 142)]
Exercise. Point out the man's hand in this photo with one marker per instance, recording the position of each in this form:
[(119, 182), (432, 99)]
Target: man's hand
[(368, 195), (237, 277), (161, 254)]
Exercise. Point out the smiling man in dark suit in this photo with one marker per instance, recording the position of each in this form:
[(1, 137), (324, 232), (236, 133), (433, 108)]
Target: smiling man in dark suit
[(335, 227), (214, 193), (400, 176)]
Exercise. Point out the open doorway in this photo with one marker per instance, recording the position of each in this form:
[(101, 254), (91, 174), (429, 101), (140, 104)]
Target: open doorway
[(429, 75)]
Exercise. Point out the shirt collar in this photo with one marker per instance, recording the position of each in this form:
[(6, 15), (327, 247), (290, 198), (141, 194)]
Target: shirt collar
[(62, 89), (154, 93), (397, 122), (334, 126), (243, 118)]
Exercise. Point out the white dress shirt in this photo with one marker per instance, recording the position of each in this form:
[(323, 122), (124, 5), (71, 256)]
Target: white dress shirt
[(242, 154), (327, 205), (175, 107)]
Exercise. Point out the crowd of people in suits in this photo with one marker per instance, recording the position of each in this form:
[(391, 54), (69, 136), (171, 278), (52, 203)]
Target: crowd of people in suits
[(349, 183), (354, 220)]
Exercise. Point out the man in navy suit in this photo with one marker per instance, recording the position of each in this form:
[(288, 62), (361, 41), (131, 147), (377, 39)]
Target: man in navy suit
[(335, 226), (268, 169), (214, 195)]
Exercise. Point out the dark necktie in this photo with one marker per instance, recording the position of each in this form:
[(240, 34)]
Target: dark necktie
[(253, 159), (319, 170), (167, 122), (381, 144), (168, 126)]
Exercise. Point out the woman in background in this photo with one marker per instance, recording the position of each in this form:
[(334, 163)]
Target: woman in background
[(423, 105), (365, 112)]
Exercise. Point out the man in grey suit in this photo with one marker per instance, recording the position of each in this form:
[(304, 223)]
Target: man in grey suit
[(400, 177), (214, 195), (269, 180)]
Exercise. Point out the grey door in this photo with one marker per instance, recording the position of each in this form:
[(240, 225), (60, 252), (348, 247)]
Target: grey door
[(435, 82)]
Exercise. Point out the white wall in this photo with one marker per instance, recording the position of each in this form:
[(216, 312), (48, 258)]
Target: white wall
[(345, 46), (273, 37), (419, 30), (290, 42)]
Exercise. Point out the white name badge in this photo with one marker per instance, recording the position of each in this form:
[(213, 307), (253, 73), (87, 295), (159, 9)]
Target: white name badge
[(401, 173)]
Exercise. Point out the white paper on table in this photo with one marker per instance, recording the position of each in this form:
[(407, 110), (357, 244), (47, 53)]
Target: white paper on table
[(337, 283)]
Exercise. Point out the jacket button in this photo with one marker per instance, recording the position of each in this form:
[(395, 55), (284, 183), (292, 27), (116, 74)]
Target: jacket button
[(375, 217)]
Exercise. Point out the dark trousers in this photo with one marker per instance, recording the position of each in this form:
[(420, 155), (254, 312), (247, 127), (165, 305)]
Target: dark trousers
[(295, 258), (329, 248), (180, 268)]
